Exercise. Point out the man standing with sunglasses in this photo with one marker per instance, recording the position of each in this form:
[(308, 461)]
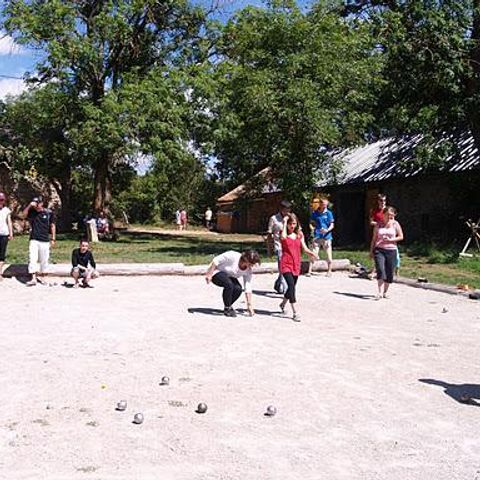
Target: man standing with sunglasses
[(42, 235)]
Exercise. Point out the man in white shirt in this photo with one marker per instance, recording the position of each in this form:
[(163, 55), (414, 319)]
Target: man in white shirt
[(225, 270), (208, 217), (275, 227), (6, 230)]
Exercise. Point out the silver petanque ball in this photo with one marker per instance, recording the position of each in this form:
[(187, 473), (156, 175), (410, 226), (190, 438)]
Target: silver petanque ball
[(138, 418), (165, 381), (444, 310), (122, 405), (271, 410), (202, 408)]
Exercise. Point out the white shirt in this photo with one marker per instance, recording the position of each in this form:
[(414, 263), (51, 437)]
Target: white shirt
[(208, 215), (275, 227), (228, 262), (4, 213)]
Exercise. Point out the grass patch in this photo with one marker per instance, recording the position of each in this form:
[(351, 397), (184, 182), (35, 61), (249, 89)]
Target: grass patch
[(438, 264)]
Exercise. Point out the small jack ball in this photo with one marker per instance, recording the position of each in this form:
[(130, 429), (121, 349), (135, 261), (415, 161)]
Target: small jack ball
[(202, 408), (165, 380), (138, 418), (122, 405), (271, 410)]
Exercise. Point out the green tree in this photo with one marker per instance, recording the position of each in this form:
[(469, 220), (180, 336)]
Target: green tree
[(289, 85), (432, 66), (37, 125), (104, 53)]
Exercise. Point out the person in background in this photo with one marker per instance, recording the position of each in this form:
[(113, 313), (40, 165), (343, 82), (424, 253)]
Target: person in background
[(322, 223), (383, 249), (208, 218), (225, 270), (42, 236), (376, 219), (183, 219), (6, 230), (275, 228), (178, 221), (293, 242), (103, 225), (83, 264), (376, 213)]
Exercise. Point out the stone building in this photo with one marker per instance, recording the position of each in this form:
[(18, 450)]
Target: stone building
[(431, 204)]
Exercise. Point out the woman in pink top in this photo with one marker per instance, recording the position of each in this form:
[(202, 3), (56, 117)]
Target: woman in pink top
[(293, 242), (383, 249)]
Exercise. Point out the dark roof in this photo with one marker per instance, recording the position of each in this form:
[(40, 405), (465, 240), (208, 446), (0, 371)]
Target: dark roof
[(392, 158)]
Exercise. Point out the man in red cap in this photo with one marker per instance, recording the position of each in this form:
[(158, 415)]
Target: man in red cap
[(6, 230)]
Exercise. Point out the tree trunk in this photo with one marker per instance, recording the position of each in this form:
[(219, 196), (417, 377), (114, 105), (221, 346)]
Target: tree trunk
[(64, 189), (102, 186)]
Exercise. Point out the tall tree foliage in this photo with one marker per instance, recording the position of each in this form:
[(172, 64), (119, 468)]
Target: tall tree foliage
[(105, 54), (432, 64), (289, 85)]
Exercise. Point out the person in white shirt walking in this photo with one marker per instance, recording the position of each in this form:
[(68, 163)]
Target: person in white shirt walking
[(275, 228), (225, 270), (6, 230)]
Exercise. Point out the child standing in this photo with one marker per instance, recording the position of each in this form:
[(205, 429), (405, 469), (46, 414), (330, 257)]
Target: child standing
[(293, 242)]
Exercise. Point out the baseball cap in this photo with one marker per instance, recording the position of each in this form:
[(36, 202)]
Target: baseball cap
[(2, 196), (38, 199)]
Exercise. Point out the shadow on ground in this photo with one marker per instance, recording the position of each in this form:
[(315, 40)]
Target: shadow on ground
[(240, 311), (360, 296), (466, 393)]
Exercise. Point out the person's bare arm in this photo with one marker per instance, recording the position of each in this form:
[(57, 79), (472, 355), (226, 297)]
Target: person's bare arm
[(27, 209), (209, 272), (284, 228), (399, 232), (250, 309), (53, 232), (309, 252), (10, 227), (374, 237)]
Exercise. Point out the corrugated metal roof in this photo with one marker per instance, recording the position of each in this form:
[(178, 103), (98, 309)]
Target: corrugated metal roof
[(393, 158)]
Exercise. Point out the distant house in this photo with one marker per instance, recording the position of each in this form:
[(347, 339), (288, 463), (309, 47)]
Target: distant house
[(431, 204)]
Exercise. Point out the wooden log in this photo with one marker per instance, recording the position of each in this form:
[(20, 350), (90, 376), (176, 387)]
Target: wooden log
[(64, 269)]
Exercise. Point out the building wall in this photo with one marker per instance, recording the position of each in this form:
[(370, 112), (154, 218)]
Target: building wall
[(247, 216), (429, 207)]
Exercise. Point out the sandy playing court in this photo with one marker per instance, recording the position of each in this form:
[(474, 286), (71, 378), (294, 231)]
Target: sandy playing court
[(345, 381)]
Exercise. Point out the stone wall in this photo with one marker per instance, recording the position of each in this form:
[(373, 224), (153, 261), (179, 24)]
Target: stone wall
[(21, 191)]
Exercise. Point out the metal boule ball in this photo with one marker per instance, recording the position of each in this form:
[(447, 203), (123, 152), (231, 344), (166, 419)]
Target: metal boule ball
[(122, 405), (165, 381), (444, 310), (271, 411), (138, 418), (202, 408)]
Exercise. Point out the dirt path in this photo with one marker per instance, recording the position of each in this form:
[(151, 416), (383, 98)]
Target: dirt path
[(345, 381)]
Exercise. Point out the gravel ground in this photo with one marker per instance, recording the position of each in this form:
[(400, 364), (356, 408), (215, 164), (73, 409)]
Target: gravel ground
[(364, 389)]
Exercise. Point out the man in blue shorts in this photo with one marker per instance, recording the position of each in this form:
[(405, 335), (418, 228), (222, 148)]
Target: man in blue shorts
[(322, 224)]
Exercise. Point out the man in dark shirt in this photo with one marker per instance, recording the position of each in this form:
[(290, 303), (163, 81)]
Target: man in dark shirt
[(83, 264), (42, 236)]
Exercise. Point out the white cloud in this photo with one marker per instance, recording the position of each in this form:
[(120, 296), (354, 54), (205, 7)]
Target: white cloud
[(11, 86), (8, 46)]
